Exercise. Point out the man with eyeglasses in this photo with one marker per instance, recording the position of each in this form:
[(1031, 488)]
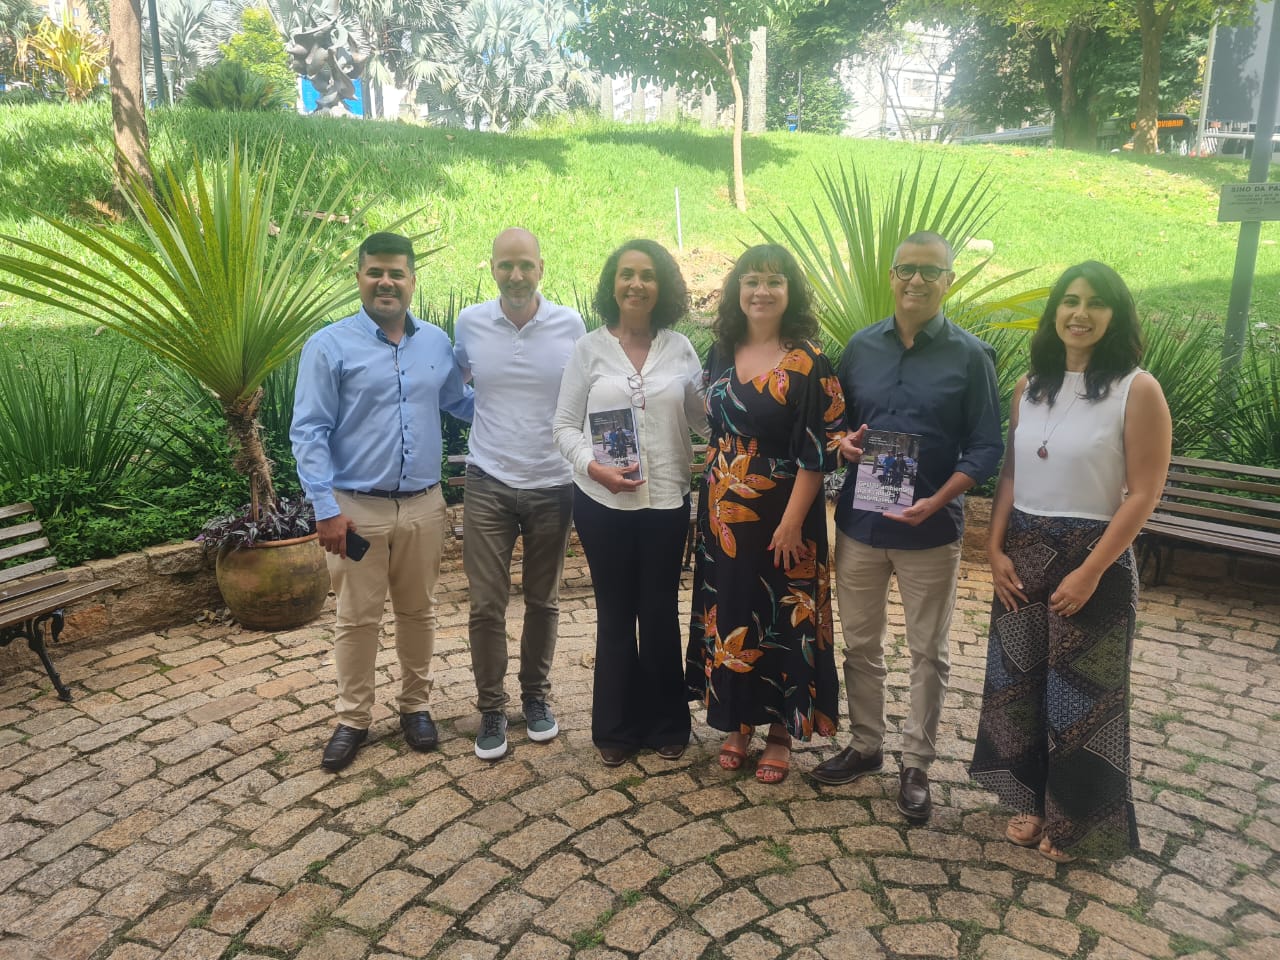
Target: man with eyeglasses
[(518, 485), (915, 372)]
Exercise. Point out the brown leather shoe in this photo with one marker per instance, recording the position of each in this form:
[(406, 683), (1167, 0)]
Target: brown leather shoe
[(613, 756), (914, 801), (671, 751), (847, 766)]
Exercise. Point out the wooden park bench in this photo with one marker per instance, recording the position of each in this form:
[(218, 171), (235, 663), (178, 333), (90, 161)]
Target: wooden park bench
[(1214, 505), (29, 597)]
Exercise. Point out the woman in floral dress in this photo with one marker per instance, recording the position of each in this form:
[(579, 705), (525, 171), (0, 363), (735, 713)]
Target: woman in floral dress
[(760, 645)]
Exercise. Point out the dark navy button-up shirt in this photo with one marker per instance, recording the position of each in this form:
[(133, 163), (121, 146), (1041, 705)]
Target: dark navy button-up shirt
[(366, 412), (944, 389)]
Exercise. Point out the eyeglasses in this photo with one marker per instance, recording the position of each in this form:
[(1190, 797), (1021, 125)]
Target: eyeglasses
[(928, 273), (635, 383)]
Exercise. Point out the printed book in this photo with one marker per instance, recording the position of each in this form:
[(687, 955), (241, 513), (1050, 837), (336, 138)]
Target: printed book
[(886, 477), (614, 440)]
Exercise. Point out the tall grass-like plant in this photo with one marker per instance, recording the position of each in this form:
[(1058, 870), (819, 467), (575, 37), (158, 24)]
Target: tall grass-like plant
[(1254, 422), (848, 260), (210, 289), (74, 434)]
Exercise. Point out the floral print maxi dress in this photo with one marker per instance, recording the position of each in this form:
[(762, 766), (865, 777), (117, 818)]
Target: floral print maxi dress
[(760, 636)]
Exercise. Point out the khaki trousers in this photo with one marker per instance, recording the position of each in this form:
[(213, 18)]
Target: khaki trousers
[(927, 584), (405, 538)]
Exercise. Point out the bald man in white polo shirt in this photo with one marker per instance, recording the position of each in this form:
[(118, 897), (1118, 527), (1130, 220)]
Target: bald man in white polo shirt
[(518, 485)]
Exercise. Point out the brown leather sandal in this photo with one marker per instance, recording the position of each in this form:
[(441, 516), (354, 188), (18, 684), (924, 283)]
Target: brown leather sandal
[(732, 757), (1050, 852), (770, 770), (1025, 829)]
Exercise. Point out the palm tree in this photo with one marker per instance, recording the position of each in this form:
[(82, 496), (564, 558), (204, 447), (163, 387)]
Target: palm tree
[(17, 19), (208, 289), (190, 34), (513, 63)]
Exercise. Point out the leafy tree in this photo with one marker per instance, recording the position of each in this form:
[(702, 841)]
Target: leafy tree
[(1062, 31), (668, 42), (259, 47), (803, 51), (816, 99), (512, 62), (1155, 19), (387, 29), (17, 19), (1070, 27), (190, 31)]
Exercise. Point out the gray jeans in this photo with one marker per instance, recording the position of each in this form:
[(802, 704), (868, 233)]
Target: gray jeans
[(493, 515)]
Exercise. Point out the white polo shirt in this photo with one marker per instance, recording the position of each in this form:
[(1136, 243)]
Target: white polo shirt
[(516, 375)]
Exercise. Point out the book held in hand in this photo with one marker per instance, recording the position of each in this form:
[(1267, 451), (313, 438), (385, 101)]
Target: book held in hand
[(614, 440), (886, 475)]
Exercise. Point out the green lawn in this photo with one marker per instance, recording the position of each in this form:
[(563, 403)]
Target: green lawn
[(585, 187)]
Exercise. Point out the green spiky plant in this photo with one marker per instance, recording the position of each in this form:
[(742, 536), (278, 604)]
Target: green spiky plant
[(847, 261), (214, 287)]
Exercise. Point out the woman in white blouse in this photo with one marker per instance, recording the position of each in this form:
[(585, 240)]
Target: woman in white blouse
[(1089, 441), (633, 387)]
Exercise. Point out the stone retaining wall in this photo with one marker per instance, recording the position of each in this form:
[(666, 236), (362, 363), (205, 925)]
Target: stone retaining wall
[(161, 587)]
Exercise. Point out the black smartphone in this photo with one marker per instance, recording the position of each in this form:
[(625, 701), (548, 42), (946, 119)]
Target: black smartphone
[(357, 546)]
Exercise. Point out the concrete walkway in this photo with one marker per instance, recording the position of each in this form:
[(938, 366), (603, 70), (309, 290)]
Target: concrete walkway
[(176, 810)]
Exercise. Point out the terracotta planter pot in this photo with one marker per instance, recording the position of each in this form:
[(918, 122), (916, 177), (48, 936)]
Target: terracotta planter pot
[(275, 585)]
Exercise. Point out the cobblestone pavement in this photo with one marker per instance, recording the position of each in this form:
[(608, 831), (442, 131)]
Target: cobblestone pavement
[(176, 810)]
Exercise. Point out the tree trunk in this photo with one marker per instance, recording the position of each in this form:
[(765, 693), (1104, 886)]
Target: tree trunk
[(756, 81), (128, 116), (606, 97), (1154, 23), (739, 186), (1076, 129), (250, 456)]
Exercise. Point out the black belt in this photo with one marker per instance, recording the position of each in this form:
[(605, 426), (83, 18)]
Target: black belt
[(395, 494)]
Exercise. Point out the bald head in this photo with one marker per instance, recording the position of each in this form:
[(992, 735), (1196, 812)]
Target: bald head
[(518, 236), (517, 270)]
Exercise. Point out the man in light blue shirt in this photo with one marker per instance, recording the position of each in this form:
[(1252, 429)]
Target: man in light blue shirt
[(518, 484), (366, 435)]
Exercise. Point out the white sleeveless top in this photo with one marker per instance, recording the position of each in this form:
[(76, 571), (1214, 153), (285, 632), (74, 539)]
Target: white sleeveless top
[(1082, 474)]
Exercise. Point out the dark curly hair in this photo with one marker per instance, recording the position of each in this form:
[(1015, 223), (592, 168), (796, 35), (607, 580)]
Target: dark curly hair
[(673, 295), (798, 323), (1118, 352)]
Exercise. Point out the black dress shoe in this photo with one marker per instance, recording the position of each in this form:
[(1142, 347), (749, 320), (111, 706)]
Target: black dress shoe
[(671, 751), (419, 730), (847, 766), (342, 747), (914, 801)]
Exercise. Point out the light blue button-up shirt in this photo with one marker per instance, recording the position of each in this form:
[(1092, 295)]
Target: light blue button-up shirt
[(366, 412)]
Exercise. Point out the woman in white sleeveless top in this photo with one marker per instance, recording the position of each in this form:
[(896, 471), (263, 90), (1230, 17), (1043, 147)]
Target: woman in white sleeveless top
[(1089, 445)]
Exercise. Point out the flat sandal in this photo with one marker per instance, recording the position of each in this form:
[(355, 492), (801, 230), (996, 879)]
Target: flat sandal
[(1016, 831)]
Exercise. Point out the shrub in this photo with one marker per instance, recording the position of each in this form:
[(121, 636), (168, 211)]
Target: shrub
[(230, 85), (76, 436)]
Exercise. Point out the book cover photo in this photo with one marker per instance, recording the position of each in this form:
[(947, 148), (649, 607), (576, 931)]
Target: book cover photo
[(886, 477), (614, 441)]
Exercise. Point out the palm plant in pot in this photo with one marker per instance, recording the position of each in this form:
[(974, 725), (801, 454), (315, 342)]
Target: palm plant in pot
[(216, 289)]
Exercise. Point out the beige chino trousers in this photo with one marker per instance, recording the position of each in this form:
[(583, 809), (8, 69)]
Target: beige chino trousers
[(927, 584), (405, 539)]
